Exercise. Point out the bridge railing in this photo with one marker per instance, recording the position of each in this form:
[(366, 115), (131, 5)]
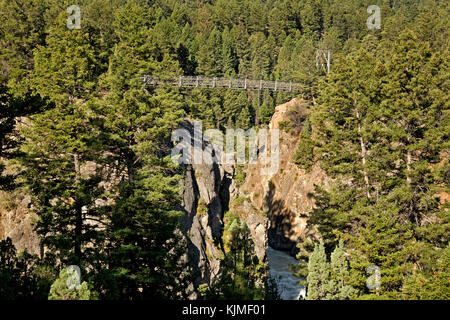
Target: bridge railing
[(216, 82)]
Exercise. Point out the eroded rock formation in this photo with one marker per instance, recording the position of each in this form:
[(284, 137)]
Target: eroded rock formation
[(209, 190), (285, 196), (16, 222)]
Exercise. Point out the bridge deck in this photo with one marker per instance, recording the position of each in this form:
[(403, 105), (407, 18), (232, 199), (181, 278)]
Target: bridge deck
[(207, 82)]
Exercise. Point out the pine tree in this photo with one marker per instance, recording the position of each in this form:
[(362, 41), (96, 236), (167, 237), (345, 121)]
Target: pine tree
[(229, 62), (60, 290), (348, 102), (209, 55), (243, 50), (312, 18), (21, 31), (318, 273), (387, 214), (135, 127), (260, 58), (414, 102), (24, 276), (328, 280), (58, 143), (337, 287), (304, 155)]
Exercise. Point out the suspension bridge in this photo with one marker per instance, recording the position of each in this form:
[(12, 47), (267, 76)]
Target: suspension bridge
[(208, 82)]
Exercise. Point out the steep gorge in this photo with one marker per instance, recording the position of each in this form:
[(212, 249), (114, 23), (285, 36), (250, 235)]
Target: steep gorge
[(275, 207), (285, 197)]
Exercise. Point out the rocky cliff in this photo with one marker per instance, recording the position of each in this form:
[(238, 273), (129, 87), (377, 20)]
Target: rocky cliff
[(16, 219), (285, 196), (275, 207), (208, 191)]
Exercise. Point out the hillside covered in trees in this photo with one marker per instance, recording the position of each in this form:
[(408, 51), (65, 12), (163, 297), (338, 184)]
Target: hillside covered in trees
[(378, 126)]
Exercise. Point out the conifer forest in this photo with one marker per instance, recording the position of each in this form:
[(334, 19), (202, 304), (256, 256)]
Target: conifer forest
[(348, 98)]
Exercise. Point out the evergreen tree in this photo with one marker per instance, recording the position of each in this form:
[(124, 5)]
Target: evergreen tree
[(228, 55), (21, 31), (312, 18), (58, 143), (304, 155), (388, 212), (318, 273), (328, 280), (209, 55), (337, 287), (60, 290), (23, 276), (135, 128)]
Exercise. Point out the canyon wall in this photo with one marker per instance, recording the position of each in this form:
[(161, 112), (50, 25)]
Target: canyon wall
[(275, 207), (285, 196), (16, 221), (208, 190)]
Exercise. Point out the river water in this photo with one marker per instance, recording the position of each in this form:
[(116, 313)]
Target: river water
[(287, 282)]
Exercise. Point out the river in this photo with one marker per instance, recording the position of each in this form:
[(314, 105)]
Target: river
[(287, 282)]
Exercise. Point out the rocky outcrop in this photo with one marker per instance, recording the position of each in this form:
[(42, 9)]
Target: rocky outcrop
[(285, 196), (204, 198), (16, 222), (202, 229), (258, 225), (275, 207), (209, 192)]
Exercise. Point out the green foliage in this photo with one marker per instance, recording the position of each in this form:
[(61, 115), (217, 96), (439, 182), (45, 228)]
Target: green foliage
[(379, 127), (239, 175), (239, 201), (60, 290), (379, 130), (328, 280), (304, 155), (23, 276), (337, 287), (135, 127), (432, 284), (285, 125), (318, 273), (243, 276), (202, 207)]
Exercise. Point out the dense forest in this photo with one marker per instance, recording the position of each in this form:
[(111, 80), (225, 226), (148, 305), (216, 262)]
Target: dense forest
[(378, 125)]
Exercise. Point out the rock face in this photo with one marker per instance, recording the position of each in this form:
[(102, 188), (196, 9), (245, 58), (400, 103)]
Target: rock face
[(205, 186), (258, 228), (275, 207), (203, 229), (16, 222), (285, 196), (208, 191)]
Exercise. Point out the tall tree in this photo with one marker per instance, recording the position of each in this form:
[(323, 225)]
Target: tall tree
[(318, 273), (58, 142), (136, 125)]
